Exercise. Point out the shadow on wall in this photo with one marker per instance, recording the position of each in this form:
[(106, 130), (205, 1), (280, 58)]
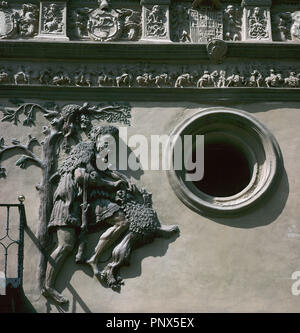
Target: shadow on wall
[(136, 174), (157, 248), (266, 211)]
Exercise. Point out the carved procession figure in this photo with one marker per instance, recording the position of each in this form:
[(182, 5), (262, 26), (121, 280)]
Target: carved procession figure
[(255, 79), (292, 81), (274, 80), (222, 79), (88, 198), (4, 76), (236, 79)]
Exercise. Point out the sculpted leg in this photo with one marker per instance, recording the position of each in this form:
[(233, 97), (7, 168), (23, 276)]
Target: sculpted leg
[(120, 257), (166, 231), (66, 241), (108, 238)]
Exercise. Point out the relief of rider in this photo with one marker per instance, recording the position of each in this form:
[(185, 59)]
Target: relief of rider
[(85, 198)]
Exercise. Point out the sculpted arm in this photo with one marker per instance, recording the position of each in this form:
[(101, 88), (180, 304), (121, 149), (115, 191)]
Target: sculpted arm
[(94, 179), (121, 177)]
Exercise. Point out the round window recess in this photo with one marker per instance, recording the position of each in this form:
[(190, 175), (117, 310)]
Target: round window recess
[(242, 160)]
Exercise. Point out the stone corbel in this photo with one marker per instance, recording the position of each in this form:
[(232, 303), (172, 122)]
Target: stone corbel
[(53, 20), (156, 20), (256, 20)]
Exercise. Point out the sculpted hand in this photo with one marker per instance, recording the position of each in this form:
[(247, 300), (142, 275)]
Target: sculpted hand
[(118, 183), (131, 186)]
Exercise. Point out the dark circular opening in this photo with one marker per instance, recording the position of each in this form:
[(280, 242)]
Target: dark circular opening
[(226, 170)]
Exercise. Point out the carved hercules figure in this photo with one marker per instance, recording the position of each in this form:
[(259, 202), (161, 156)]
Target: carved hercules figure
[(87, 198)]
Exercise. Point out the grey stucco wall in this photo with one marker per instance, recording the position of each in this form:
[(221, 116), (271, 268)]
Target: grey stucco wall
[(241, 264)]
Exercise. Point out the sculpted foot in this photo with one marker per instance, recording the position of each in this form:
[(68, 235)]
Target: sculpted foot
[(94, 266), (100, 276), (55, 295)]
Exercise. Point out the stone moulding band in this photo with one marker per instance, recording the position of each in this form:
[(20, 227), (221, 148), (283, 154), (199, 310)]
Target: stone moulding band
[(258, 145)]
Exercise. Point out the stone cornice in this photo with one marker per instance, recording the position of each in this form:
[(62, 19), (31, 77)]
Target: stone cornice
[(216, 96), (167, 52)]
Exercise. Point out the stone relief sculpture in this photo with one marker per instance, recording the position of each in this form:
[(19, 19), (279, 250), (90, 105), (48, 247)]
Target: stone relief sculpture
[(65, 127), (156, 21), (295, 29), (256, 79), (86, 198), (286, 26), (258, 24), (105, 23), (232, 23), (190, 22), (151, 75), (292, 81), (205, 24), (282, 26), (9, 21), (22, 76), (28, 21), (22, 23), (4, 76), (179, 20), (274, 80), (52, 18), (216, 50)]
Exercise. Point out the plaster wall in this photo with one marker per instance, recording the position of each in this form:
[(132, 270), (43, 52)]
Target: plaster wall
[(240, 264)]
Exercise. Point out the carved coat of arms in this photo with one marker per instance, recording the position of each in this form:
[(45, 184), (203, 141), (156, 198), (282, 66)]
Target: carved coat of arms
[(104, 25)]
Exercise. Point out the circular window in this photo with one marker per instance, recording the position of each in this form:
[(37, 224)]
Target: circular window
[(241, 161)]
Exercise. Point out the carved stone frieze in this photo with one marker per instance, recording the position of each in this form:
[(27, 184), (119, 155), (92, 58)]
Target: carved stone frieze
[(150, 20), (155, 76)]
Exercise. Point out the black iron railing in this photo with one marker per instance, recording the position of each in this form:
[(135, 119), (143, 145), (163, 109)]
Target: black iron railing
[(7, 241)]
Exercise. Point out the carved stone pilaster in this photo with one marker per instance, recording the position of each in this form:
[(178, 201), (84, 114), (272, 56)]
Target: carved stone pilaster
[(257, 20), (155, 20), (53, 20)]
